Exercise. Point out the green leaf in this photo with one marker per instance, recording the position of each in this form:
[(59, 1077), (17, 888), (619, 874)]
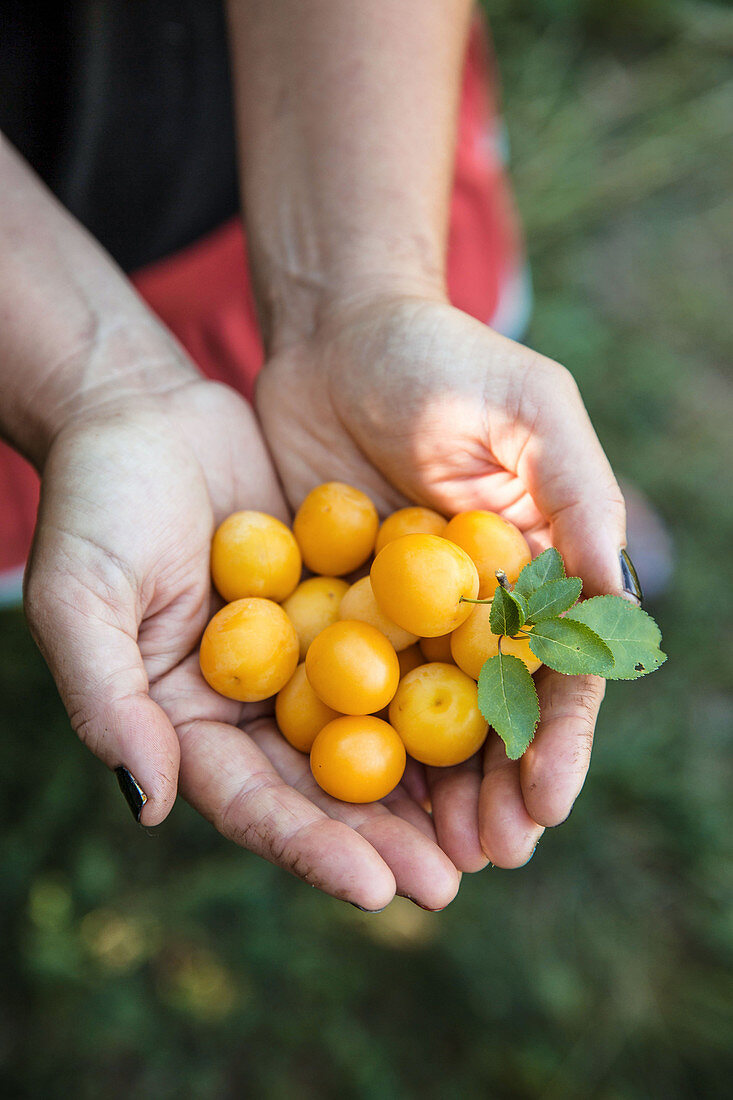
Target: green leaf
[(508, 701), (504, 616), (547, 566), (632, 636), (520, 603), (570, 647), (552, 598)]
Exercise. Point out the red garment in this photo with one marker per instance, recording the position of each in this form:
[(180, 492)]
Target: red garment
[(203, 293)]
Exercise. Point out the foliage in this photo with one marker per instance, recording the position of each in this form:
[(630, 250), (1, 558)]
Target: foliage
[(606, 636), (508, 701)]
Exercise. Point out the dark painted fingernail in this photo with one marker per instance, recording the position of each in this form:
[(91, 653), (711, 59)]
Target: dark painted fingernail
[(630, 577), (134, 794), (363, 910)]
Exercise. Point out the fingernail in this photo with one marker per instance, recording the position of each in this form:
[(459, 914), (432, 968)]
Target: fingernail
[(425, 907), (134, 794), (630, 577), (363, 910)]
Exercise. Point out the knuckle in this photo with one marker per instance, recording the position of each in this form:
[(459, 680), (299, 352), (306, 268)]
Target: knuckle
[(585, 745), (86, 725), (240, 820), (559, 379), (585, 706), (617, 505), (261, 829), (541, 388), (99, 716)]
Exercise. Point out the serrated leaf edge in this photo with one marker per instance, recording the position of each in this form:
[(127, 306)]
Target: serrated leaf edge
[(641, 675), (614, 599), (532, 562), (557, 614), (509, 657)]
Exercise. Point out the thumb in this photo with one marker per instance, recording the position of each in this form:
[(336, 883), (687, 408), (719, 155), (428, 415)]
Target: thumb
[(90, 646), (573, 486)]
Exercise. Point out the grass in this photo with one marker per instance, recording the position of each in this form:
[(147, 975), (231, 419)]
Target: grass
[(171, 964)]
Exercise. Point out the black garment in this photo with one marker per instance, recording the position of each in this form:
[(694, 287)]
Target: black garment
[(124, 109)]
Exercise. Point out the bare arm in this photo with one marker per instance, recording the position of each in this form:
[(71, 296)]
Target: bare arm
[(73, 332), (347, 116), (140, 457)]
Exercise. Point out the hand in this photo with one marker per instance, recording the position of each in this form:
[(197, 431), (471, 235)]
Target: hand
[(412, 400), (117, 596)]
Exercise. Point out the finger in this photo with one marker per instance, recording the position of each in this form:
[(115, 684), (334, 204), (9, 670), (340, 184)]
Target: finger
[(508, 834), (455, 797), (571, 480), (94, 658), (401, 803), (231, 782), (422, 871), (416, 784), (554, 767)]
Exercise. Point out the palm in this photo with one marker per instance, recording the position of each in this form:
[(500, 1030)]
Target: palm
[(413, 400), (241, 774), (139, 528)]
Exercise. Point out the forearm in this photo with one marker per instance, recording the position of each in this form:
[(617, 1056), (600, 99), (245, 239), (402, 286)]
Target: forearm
[(73, 333), (346, 115)]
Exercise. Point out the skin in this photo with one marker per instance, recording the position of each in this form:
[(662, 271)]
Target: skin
[(140, 459), (347, 128), (347, 117), (527, 450)]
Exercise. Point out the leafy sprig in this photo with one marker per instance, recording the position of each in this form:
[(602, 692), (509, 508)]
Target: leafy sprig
[(606, 635)]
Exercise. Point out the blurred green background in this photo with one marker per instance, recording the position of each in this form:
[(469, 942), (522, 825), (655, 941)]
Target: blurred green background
[(171, 964)]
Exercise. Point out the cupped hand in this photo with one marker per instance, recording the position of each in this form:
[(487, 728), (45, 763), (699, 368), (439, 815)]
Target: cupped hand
[(412, 400), (117, 596)]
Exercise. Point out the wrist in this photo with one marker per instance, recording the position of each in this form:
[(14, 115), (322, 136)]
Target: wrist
[(295, 306), (132, 359), (346, 120), (74, 336)]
